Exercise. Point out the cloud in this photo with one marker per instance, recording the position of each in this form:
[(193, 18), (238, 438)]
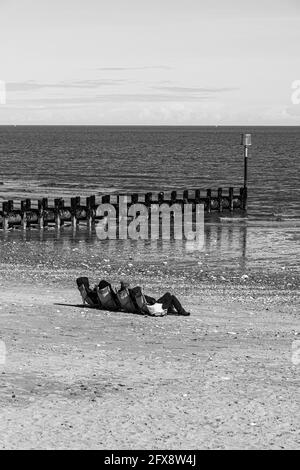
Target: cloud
[(293, 110), (125, 69), (180, 89), (107, 98), (32, 85)]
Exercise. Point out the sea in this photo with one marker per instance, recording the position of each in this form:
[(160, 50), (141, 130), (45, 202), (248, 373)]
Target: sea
[(66, 161)]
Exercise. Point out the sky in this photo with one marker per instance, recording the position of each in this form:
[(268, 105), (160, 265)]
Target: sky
[(154, 62)]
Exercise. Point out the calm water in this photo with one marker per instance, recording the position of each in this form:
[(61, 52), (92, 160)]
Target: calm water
[(69, 161), (55, 161)]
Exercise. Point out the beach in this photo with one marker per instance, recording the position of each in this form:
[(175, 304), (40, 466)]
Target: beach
[(81, 378), (153, 148), (227, 376)]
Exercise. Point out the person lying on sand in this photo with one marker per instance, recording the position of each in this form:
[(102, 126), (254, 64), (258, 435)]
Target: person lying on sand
[(128, 299), (169, 302)]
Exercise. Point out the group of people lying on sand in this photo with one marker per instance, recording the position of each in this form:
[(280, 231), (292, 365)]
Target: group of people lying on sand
[(127, 299)]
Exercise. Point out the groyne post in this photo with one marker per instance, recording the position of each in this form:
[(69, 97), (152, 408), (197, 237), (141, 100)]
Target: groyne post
[(185, 196), (231, 199), (75, 203), (220, 201), (25, 208), (90, 207), (208, 196), (58, 207), (5, 215)]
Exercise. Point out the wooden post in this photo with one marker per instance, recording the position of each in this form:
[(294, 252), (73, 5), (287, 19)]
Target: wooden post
[(106, 199), (28, 211), (93, 208), (220, 201), (41, 214), (93, 201), (73, 212), (25, 206), (173, 197), (134, 198), (61, 209), (75, 203), (148, 199), (77, 206), (231, 199), (10, 205), (5, 210), (161, 197), (185, 196), (45, 208), (23, 215), (197, 196), (89, 215), (148, 202), (57, 206), (208, 196)]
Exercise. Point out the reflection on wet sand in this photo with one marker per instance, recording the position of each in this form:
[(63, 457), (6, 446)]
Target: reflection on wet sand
[(235, 245), (228, 251), (221, 241)]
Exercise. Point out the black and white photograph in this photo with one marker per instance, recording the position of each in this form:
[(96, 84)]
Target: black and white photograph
[(149, 227)]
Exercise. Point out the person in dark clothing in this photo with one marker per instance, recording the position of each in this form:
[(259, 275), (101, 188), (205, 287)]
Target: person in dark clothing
[(172, 305), (91, 293), (102, 284), (169, 302)]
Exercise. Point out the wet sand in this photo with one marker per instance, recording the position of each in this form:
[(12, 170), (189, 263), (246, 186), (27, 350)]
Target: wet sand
[(81, 378)]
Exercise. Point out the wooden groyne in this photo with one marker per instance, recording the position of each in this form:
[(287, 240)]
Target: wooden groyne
[(60, 211)]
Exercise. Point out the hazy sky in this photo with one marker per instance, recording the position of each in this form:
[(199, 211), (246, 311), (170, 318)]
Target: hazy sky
[(149, 62)]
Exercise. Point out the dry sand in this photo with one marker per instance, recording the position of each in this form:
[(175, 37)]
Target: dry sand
[(81, 378)]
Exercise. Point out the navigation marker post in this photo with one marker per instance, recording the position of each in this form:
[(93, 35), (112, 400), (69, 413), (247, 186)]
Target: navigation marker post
[(246, 142)]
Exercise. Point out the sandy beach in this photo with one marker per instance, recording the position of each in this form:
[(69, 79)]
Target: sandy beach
[(81, 378), (150, 144)]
